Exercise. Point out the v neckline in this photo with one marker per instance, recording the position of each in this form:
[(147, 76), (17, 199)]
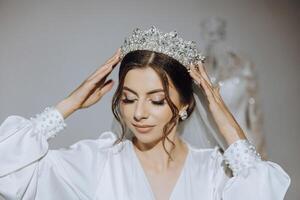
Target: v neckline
[(141, 169)]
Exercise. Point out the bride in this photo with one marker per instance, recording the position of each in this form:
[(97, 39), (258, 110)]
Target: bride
[(150, 159)]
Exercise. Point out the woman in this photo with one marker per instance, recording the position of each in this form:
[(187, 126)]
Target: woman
[(153, 97)]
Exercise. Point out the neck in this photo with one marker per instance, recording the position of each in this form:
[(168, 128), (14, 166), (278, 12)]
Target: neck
[(155, 157)]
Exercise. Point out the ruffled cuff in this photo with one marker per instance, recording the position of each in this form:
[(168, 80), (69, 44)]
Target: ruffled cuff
[(49, 122), (240, 156)]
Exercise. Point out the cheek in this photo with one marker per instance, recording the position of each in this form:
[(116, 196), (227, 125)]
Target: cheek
[(125, 111), (162, 114)]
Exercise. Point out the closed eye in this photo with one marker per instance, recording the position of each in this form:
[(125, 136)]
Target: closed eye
[(129, 101), (162, 102)]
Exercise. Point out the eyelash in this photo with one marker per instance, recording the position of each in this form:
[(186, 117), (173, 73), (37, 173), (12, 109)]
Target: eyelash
[(158, 103)]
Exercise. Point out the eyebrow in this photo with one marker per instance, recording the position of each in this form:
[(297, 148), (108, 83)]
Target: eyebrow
[(150, 92)]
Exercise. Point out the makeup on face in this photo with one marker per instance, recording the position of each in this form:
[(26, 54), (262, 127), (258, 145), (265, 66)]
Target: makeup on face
[(158, 97), (143, 104)]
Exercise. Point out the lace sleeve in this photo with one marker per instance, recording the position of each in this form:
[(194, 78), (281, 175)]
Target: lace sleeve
[(48, 123), (240, 156), (253, 178)]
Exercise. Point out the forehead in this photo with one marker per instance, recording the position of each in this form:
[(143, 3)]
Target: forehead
[(143, 80)]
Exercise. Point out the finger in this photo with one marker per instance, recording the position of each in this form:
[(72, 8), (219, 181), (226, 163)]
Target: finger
[(107, 86), (111, 64), (218, 88), (114, 61), (99, 78), (203, 72), (210, 92), (116, 54), (197, 79), (199, 75), (200, 81), (100, 86)]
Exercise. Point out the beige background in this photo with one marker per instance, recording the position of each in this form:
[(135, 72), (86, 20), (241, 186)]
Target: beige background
[(47, 48)]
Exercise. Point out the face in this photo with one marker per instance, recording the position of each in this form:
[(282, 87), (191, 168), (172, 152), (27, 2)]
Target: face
[(143, 103)]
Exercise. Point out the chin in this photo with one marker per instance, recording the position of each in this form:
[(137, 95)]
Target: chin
[(146, 137)]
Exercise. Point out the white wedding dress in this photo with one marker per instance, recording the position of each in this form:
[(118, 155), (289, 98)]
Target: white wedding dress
[(95, 169), (238, 81), (244, 107)]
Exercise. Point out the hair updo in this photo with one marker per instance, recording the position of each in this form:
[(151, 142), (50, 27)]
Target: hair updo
[(165, 67)]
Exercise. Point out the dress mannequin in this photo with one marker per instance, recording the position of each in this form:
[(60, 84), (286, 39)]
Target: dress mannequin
[(237, 80)]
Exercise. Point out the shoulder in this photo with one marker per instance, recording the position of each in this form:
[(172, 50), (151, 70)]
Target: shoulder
[(82, 164), (86, 157), (89, 147)]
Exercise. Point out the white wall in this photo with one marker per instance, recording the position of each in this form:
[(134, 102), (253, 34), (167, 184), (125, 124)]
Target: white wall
[(47, 48)]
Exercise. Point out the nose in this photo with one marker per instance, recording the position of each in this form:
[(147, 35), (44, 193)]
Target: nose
[(140, 111)]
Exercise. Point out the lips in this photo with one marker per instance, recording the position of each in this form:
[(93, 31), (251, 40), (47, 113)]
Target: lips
[(143, 128)]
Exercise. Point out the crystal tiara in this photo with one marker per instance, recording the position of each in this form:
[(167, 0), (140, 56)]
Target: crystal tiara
[(167, 43)]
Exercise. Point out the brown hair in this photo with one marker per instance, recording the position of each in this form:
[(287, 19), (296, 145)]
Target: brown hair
[(165, 66)]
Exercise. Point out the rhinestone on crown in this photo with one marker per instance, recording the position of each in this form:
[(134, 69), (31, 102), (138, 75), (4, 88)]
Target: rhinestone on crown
[(167, 43)]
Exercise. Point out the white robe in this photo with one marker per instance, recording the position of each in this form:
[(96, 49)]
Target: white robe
[(97, 169)]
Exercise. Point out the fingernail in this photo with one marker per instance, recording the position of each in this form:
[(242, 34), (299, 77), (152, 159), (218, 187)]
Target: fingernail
[(119, 53)]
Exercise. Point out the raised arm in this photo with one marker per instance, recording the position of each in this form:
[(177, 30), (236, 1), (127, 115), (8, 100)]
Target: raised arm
[(29, 170), (253, 178)]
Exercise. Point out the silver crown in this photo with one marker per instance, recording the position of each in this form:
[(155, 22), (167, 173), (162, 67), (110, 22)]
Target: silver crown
[(167, 43)]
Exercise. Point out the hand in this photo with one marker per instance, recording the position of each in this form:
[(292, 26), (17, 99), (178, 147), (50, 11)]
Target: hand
[(222, 116), (91, 90)]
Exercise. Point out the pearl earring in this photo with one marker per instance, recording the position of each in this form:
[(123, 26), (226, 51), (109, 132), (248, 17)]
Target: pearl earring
[(183, 115)]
